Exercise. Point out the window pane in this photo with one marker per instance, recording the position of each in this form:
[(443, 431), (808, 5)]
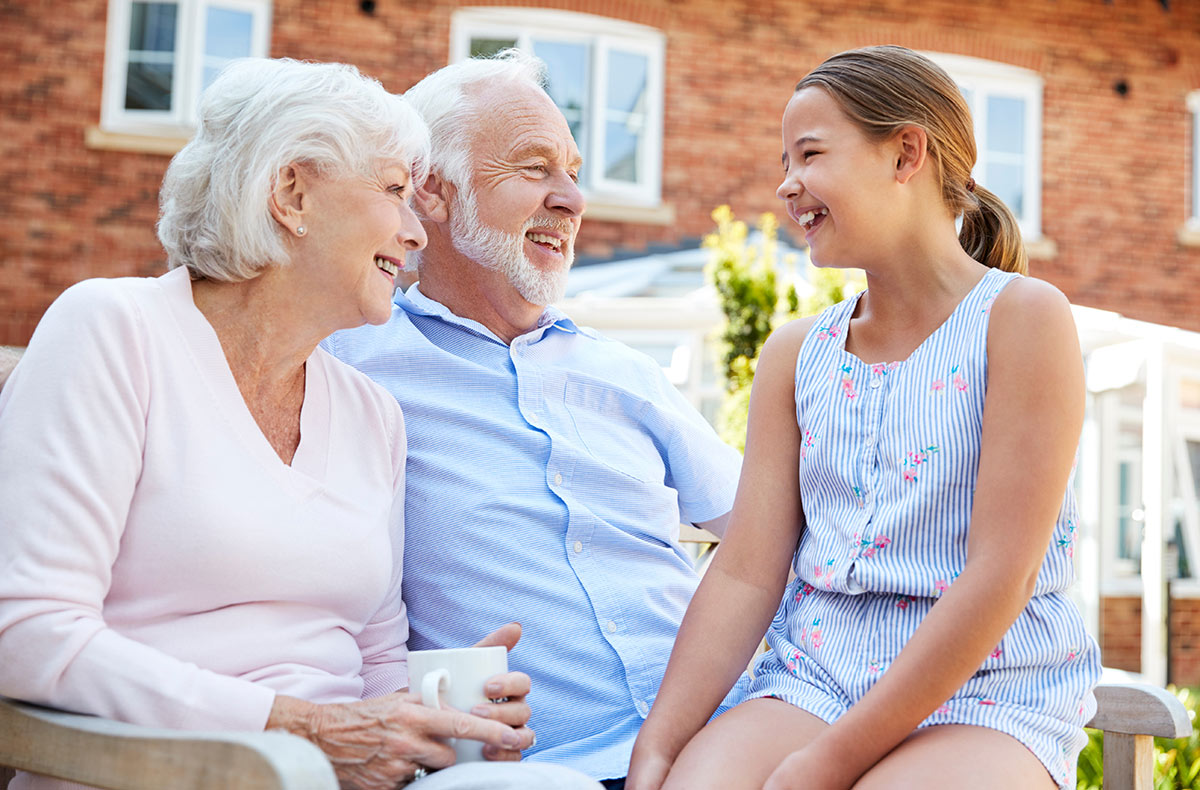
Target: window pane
[(567, 74), (151, 73), (1008, 182), (1006, 125), (226, 36), (1129, 528), (627, 81), (486, 47), (567, 83), (621, 146)]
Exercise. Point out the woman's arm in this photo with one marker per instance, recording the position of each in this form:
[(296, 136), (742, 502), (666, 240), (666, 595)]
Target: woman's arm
[(1032, 418), (740, 592)]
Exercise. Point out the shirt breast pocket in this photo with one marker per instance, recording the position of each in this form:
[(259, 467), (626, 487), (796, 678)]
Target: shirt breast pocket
[(611, 427)]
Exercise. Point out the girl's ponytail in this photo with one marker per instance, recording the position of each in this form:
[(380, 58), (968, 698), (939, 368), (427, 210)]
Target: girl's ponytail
[(990, 233)]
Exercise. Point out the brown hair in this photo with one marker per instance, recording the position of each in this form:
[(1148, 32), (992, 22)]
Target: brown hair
[(882, 89)]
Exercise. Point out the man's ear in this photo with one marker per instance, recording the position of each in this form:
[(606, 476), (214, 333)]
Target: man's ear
[(289, 200), (432, 198), (910, 146)]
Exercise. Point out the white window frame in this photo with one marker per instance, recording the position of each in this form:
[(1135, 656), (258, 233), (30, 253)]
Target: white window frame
[(986, 78), (1193, 105), (604, 35), (190, 21)]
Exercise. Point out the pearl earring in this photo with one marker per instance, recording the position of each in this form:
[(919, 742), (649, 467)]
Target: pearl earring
[(301, 230)]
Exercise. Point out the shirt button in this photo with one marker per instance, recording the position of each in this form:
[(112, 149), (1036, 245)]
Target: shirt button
[(578, 547), (612, 627), (642, 708), (875, 382), (558, 478)]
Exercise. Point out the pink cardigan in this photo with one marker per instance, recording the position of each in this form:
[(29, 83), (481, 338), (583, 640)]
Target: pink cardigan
[(159, 564)]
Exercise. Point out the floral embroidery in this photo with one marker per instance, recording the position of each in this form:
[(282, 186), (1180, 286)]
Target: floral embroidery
[(997, 652), (815, 634), (826, 572), (943, 709), (868, 546), (913, 459), (959, 382), (809, 439), (1068, 542), (826, 332), (902, 601), (987, 306), (956, 380), (875, 666), (804, 591), (941, 585), (1071, 655), (985, 701), (848, 383)]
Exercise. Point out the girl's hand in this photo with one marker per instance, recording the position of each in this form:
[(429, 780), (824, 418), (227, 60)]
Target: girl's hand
[(378, 744), (810, 769), (647, 771)]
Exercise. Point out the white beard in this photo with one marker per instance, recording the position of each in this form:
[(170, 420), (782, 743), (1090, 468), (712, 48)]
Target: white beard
[(505, 252)]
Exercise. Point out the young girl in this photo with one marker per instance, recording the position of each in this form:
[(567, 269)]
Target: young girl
[(926, 640)]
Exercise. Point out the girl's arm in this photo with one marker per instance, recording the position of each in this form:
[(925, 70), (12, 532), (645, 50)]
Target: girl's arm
[(740, 592), (1032, 418)]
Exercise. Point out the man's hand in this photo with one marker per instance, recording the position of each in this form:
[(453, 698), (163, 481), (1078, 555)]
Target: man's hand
[(511, 687)]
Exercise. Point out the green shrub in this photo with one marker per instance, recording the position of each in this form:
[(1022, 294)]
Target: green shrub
[(747, 279), (1176, 760)]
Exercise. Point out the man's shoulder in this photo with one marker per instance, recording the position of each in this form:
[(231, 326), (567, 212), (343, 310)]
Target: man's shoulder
[(369, 342)]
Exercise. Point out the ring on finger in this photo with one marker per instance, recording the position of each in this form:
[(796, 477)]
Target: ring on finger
[(499, 700), (420, 773)]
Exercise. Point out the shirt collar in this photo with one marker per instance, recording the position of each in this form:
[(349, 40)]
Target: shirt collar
[(413, 301)]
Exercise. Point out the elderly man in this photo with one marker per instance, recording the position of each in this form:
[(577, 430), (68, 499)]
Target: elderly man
[(549, 468)]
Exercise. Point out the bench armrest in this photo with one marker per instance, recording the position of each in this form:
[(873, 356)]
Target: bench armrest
[(119, 756), (1139, 709)]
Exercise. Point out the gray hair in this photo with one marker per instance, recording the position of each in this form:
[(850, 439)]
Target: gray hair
[(257, 117), (450, 110)]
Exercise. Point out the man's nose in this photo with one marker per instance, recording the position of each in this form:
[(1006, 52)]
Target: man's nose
[(566, 196)]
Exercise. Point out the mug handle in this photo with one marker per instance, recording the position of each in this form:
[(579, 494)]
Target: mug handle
[(432, 684)]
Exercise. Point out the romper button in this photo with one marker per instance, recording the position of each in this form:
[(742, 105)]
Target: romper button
[(875, 382)]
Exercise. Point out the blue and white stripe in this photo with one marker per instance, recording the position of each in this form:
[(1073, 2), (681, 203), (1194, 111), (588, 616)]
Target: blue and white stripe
[(546, 482), (887, 477)]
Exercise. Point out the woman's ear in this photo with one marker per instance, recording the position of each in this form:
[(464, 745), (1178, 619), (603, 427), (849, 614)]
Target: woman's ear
[(911, 151), (432, 198), (289, 200)]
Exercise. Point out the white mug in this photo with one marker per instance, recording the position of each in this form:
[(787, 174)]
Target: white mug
[(457, 674)]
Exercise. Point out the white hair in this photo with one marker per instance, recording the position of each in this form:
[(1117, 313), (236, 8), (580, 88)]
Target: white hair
[(257, 117), (451, 111)]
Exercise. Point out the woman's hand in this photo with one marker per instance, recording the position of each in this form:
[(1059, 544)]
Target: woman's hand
[(378, 744)]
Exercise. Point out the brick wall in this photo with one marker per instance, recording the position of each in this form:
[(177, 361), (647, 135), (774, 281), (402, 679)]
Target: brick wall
[(1121, 633), (1115, 167)]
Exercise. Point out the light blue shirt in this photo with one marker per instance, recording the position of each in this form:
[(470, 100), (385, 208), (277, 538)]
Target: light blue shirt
[(546, 482)]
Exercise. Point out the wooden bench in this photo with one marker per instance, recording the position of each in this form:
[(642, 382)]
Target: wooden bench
[(110, 754)]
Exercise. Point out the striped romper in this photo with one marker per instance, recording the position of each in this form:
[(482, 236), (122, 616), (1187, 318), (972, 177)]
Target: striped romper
[(888, 461)]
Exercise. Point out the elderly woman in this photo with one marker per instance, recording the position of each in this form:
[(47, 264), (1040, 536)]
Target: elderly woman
[(202, 511)]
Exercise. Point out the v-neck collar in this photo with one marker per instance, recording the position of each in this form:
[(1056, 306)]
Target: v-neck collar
[(306, 473), (849, 315)]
